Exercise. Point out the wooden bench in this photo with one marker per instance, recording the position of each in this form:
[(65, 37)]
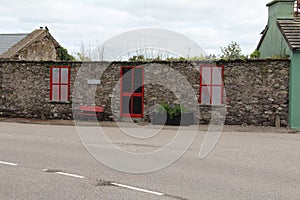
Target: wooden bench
[(90, 111)]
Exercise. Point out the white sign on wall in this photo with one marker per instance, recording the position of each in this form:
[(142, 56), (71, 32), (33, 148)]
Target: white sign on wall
[(94, 82)]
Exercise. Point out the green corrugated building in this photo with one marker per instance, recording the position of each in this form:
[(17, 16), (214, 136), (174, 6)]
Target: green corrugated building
[(281, 38)]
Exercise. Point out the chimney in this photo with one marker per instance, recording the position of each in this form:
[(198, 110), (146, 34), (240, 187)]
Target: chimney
[(280, 9)]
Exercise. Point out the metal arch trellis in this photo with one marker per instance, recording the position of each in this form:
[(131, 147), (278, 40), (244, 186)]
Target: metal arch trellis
[(149, 53)]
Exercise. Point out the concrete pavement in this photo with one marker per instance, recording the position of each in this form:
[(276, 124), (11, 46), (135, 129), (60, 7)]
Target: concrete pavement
[(244, 165)]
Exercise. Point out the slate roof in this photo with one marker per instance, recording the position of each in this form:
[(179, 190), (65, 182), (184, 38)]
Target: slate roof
[(290, 29), (8, 40)]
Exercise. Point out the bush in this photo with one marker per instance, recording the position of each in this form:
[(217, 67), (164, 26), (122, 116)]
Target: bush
[(255, 54), (171, 110)]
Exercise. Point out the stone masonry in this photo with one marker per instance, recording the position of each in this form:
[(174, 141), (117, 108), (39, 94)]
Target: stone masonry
[(256, 90)]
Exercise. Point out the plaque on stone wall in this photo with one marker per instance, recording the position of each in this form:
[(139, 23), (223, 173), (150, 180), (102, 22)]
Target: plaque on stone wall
[(94, 82)]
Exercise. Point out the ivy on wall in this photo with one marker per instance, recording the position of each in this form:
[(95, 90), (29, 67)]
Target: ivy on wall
[(64, 55)]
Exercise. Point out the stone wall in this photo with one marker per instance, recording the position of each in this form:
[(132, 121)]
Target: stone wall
[(256, 90), (25, 90)]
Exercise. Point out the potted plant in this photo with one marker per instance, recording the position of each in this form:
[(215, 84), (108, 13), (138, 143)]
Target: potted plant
[(167, 114)]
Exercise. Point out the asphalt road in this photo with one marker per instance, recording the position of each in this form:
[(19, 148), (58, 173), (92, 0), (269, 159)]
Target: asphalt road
[(50, 162)]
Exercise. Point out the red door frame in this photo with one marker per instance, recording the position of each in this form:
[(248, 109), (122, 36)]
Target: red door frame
[(212, 66), (59, 84), (131, 94)]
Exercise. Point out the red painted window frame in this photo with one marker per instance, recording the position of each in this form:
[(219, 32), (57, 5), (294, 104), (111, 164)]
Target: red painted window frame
[(211, 85), (131, 94), (59, 82)]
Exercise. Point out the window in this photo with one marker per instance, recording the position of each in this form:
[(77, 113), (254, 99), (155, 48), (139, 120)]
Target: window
[(59, 83), (211, 84), (132, 92)]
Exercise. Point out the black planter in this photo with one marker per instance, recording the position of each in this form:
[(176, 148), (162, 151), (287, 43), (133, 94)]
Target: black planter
[(185, 119)]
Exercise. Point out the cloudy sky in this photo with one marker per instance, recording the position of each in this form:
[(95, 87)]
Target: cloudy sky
[(211, 24)]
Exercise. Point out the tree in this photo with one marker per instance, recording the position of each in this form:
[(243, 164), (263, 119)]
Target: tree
[(232, 51)]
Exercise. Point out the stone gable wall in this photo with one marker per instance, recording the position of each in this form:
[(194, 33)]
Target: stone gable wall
[(256, 90), (43, 49)]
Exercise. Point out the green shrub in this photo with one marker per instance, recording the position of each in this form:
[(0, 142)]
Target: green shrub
[(255, 54), (171, 110)]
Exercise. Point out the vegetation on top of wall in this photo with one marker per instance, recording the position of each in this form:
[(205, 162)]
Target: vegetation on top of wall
[(210, 57), (280, 56), (141, 58), (137, 58), (177, 59), (255, 54)]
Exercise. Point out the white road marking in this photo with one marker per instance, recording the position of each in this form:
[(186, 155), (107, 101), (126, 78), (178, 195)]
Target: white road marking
[(137, 189), (114, 184), (67, 174), (8, 163)]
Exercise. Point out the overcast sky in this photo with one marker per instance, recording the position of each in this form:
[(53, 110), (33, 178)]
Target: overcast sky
[(210, 23)]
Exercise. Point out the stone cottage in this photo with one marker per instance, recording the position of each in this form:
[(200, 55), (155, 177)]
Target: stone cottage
[(38, 45), (281, 38)]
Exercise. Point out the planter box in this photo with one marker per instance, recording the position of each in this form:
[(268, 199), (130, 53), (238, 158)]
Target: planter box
[(185, 119)]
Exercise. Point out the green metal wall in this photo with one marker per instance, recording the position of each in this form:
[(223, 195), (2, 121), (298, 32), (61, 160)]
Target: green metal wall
[(280, 9), (274, 43), (294, 93)]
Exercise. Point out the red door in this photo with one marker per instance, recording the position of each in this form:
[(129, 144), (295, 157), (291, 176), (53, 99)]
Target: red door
[(132, 92)]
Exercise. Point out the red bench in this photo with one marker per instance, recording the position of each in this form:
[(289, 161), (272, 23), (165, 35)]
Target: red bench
[(90, 111)]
